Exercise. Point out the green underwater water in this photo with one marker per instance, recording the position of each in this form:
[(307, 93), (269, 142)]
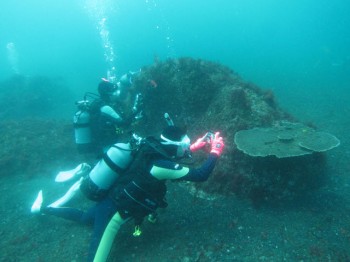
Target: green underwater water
[(298, 49)]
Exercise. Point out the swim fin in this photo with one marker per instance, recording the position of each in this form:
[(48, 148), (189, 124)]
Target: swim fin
[(37, 203), (79, 171)]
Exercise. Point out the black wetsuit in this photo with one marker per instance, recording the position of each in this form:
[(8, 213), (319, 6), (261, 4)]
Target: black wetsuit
[(127, 199)]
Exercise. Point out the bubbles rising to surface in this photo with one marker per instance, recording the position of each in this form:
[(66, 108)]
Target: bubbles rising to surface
[(99, 10), (12, 56), (163, 27)]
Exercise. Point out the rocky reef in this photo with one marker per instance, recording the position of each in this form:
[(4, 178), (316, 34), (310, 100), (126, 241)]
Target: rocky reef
[(206, 96), (33, 146), (28, 96), (201, 95), (34, 136)]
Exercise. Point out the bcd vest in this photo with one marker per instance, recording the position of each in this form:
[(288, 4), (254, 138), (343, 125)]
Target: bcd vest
[(137, 192)]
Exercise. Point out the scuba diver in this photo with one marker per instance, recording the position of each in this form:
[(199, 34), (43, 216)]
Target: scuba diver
[(98, 124), (97, 127), (145, 192), (142, 188)]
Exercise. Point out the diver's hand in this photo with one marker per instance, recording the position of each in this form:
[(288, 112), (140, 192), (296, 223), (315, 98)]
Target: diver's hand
[(199, 144)]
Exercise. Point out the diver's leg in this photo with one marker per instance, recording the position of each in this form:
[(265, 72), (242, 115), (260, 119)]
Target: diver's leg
[(68, 196), (69, 213), (109, 234), (74, 214), (104, 211)]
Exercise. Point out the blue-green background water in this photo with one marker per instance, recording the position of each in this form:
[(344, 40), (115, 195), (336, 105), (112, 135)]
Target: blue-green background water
[(288, 46), (300, 49)]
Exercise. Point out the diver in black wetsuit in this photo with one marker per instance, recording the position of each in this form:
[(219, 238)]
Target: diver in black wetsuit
[(141, 190)]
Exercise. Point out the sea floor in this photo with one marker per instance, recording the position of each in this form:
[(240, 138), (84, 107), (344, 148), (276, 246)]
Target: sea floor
[(313, 228)]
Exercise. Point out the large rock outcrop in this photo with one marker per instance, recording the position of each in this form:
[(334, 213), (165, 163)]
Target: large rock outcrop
[(202, 95), (207, 96)]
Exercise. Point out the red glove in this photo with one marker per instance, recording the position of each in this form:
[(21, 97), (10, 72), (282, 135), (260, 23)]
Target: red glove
[(200, 143), (217, 144)]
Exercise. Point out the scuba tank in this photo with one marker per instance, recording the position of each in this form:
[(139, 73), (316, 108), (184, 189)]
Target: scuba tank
[(137, 107), (114, 163), (82, 128), (82, 123)]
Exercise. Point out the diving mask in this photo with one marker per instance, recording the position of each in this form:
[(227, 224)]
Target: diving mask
[(183, 145)]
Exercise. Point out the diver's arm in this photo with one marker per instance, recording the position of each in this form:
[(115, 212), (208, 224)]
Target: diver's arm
[(111, 114), (169, 170), (202, 174)]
